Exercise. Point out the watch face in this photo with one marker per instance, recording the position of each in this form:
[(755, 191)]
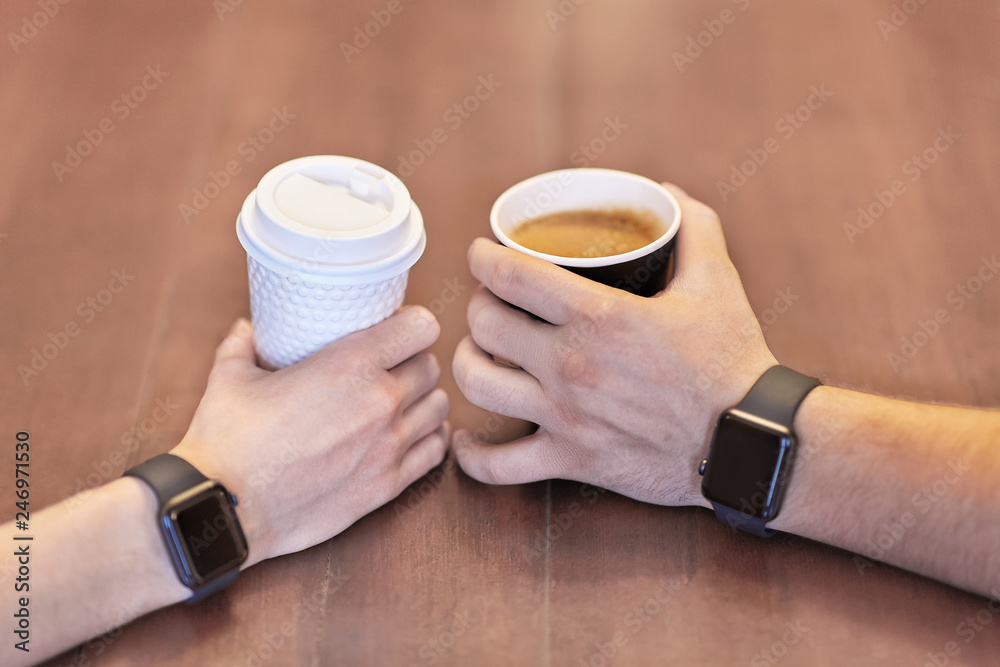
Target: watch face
[(205, 529), (744, 466)]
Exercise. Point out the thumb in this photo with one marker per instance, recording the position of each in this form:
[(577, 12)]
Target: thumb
[(238, 344), (519, 462), (700, 240)]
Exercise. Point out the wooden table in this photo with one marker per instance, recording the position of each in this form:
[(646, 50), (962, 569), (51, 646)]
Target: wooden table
[(156, 97)]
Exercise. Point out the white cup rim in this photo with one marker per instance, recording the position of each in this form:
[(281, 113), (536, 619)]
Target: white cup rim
[(672, 224), (289, 247)]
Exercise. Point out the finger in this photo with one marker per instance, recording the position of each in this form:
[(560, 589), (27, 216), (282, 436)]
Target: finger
[(423, 417), (415, 377), (237, 345), (550, 292), (424, 455), (526, 460), (509, 333), (500, 389), (396, 338), (700, 239), (676, 190)]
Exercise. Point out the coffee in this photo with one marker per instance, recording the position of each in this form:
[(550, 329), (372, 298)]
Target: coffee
[(643, 271), (589, 232)]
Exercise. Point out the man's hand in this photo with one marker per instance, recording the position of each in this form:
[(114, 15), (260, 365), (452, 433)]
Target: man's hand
[(625, 390), (310, 449)]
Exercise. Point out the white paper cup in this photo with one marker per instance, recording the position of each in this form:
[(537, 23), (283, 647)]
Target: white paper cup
[(330, 241), (644, 271)]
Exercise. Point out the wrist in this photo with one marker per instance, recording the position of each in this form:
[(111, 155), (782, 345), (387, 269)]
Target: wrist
[(247, 510), (815, 426), (754, 449), (130, 509), (715, 393)]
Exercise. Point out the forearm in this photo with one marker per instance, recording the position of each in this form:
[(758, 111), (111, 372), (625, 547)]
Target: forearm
[(905, 483), (96, 562)]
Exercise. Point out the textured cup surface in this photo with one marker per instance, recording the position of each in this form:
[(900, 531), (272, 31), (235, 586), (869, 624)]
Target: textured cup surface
[(330, 241), (294, 318)]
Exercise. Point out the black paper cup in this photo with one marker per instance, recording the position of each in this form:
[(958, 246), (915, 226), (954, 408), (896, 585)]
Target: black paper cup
[(644, 271)]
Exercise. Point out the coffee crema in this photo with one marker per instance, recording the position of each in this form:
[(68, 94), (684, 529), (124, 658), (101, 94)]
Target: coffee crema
[(589, 232)]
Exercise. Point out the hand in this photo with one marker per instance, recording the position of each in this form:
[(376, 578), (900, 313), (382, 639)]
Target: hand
[(310, 449), (625, 390)]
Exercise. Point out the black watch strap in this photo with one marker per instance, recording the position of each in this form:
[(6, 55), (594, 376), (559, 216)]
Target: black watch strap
[(740, 521), (217, 585), (777, 394), (168, 475)]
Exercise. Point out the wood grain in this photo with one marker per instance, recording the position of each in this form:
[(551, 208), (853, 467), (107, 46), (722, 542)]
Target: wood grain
[(454, 572)]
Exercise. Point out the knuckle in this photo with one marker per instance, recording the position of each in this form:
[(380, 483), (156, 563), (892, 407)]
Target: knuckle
[(478, 324), (496, 470), (505, 278), (573, 365), (591, 312), (590, 320), (400, 434), (443, 404), (386, 398), (365, 370), (475, 387), (432, 367), (721, 268), (440, 450), (433, 412), (506, 400), (488, 328), (704, 211), (424, 320), (715, 272)]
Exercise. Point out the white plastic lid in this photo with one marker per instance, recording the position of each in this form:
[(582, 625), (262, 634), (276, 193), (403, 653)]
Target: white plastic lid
[(332, 219)]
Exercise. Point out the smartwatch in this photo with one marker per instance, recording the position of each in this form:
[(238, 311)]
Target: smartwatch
[(197, 520), (750, 459)]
